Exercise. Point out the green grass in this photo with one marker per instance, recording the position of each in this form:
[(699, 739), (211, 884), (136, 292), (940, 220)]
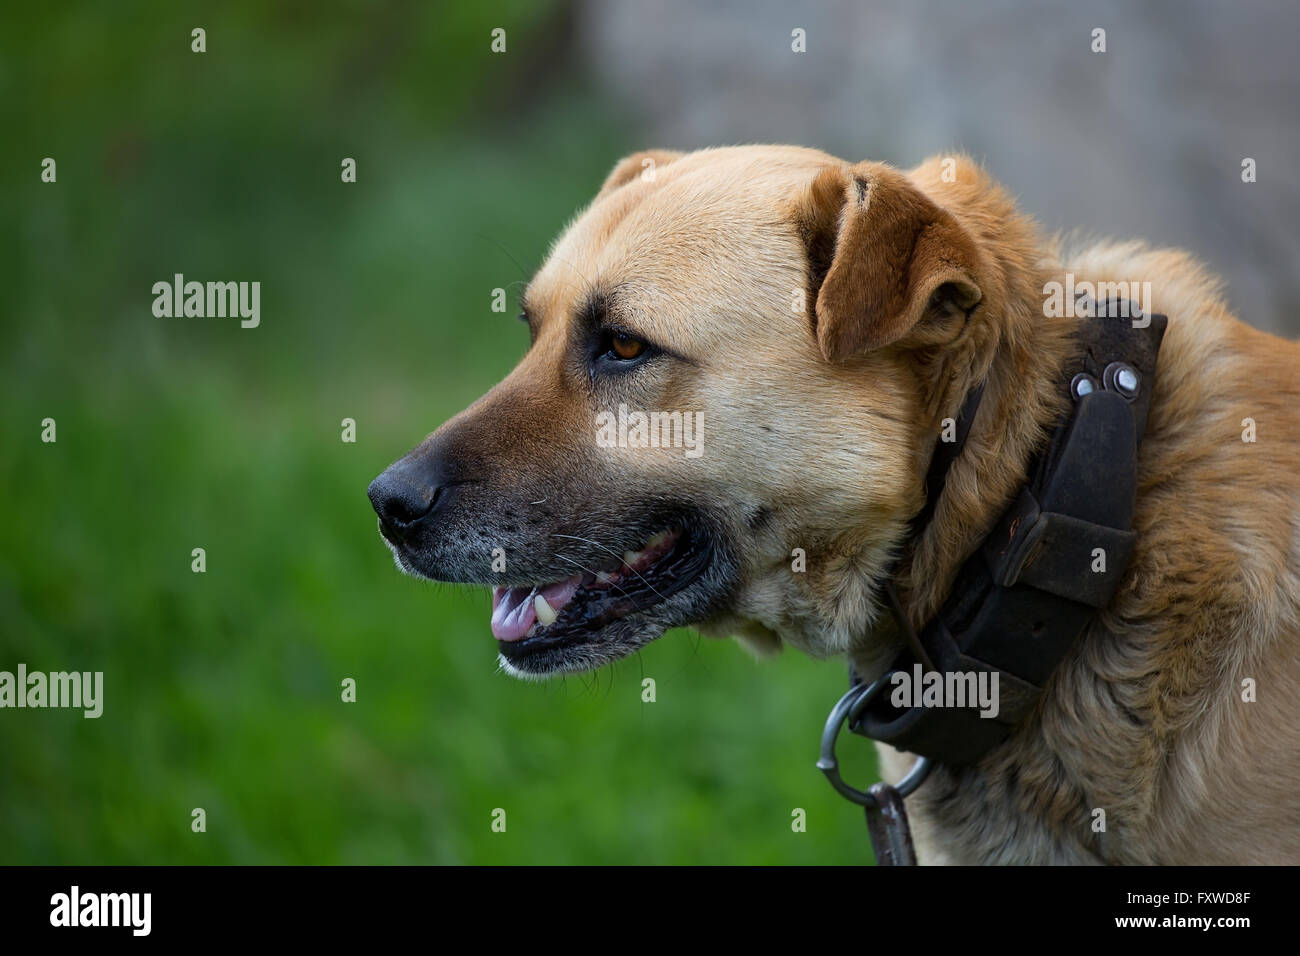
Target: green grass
[(222, 689)]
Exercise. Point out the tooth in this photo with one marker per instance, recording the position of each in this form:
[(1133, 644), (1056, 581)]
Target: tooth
[(630, 557), (545, 613), (605, 577), (658, 539)]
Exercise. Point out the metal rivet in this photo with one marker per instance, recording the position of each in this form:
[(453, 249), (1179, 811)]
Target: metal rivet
[(1082, 384), (1122, 378)]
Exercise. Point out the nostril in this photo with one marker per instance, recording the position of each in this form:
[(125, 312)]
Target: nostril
[(398, 502), (407, 510)]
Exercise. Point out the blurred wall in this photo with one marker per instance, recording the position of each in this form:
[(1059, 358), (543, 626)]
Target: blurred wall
[(1143, 141)]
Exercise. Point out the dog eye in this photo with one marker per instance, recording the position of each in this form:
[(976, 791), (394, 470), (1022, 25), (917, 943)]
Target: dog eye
[(624, 346), (618, 346)]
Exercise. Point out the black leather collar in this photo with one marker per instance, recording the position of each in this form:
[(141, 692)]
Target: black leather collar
[(1053, 560)]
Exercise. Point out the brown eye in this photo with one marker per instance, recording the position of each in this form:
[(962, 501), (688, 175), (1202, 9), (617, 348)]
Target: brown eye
[(625, 347)]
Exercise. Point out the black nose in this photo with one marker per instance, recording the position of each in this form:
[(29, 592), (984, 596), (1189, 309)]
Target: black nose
[(403, 495)]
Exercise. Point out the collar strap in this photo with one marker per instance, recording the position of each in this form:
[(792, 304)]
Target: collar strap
[(945, 453), (1053, 560)]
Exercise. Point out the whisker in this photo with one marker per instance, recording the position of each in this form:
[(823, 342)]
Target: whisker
[(587, 286), (564, 557), (510, 255), (617, 555)]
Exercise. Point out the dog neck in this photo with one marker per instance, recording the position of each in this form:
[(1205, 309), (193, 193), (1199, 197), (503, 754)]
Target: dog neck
[(1019, 360)]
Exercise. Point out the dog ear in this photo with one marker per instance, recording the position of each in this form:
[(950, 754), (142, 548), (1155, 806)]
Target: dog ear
[(882, 257), (642, 164)]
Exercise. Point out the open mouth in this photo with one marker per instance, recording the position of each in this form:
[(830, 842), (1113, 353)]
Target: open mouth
[(550, 617)]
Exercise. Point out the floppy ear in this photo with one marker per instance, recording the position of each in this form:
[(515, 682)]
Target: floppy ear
[(883, 257), (638, 165)]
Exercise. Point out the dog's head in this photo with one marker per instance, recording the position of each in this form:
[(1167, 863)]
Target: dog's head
[(737, 365)]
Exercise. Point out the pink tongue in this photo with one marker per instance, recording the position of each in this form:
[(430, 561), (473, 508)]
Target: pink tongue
[(514, 610)]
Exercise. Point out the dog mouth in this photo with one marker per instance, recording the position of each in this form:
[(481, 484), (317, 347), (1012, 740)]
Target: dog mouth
[(602, 612)]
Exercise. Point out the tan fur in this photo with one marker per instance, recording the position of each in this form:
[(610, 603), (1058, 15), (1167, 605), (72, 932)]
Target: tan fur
[(829, 316)]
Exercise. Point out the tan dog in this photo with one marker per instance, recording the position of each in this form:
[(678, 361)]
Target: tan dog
[(816, 321)]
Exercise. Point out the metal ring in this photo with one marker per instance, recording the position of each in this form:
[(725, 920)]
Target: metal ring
[(849, 708), (914, 777)]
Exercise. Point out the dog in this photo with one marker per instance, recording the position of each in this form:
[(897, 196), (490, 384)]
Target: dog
[(819, 320)]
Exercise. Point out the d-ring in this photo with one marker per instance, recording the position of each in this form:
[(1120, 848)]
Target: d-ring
[(849, 707)]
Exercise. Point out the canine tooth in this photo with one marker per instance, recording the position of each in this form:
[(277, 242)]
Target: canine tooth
[(605, 577), (630, 557), (657, 540), (545, 613)]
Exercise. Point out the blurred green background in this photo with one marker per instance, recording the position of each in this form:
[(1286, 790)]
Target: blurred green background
[(222, 689)]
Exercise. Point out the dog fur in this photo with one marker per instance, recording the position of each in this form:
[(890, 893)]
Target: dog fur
[(826, 317)]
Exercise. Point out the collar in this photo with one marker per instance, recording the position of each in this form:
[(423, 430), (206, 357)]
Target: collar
[(1053, 560)]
